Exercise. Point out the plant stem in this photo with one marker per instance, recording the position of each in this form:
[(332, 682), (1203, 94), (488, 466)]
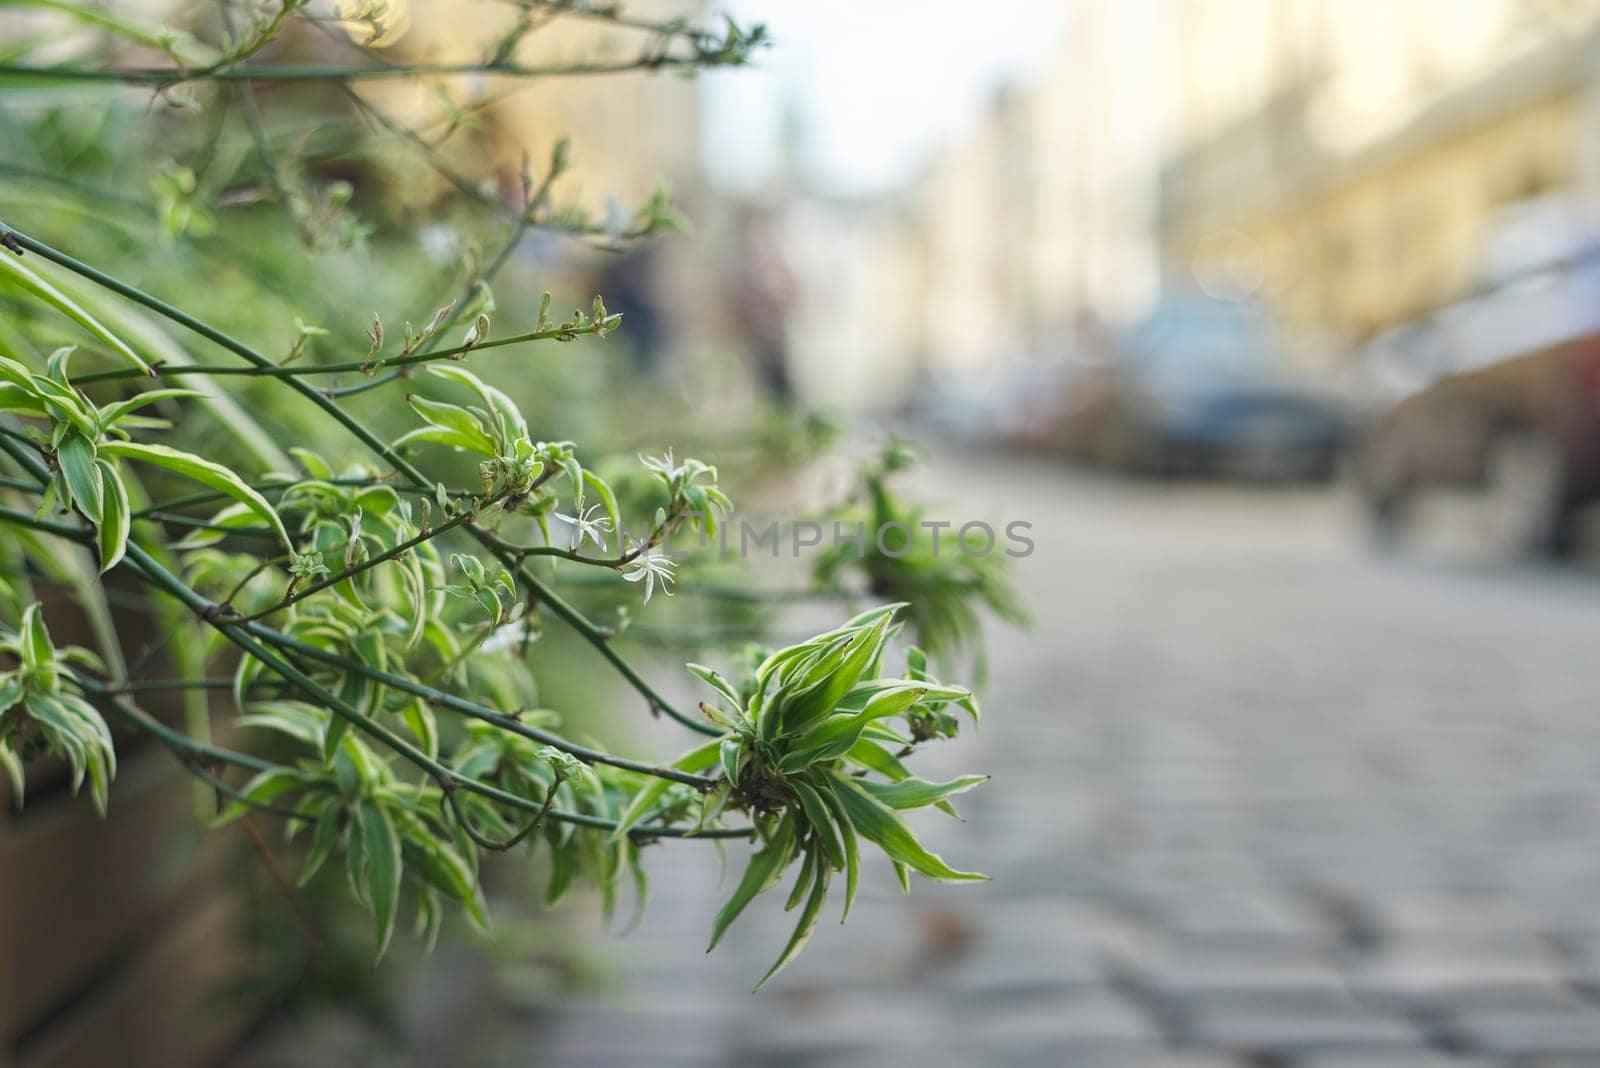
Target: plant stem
[(189, 751), (564, 611), (168, 77), (445, 699), (160, 685), (273, 370), (244, 637), (246, 631), (393, 552)]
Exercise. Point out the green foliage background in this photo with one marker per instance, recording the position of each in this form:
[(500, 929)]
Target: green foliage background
[(244, 397)]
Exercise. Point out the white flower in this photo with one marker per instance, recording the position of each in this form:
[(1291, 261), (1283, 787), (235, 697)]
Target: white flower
[(648, 567), (583, 527), (505, 637), (664, 466)]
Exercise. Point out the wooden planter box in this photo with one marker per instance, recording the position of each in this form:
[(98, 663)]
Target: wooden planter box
[(121, 934)]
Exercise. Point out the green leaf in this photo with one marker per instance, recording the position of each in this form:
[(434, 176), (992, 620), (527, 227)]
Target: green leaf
[(765, 866), (440, 865), (574, 471), (463, 426), (16, 399), (21, 276), (60, 733), (806, 925), (608, 498), (383, 868), (424, 726), (808, 866), (837, 735), (697, 759), (262, 789), (73, 729), (38, 652), (828, 681), (76, 458), (918, 793), (18, 375), (314, 464), (641, 885), (305, 723), (323, 839), (563, 867), (506, 412), (729, 755), (817, 815), (852, 850), (96, 730), (234, 517), (434, 859), (56, 366), (66, 407), (444, 436), (878, 824), (116, 517), (874, 757), (13, 769), (723, 687), (113, 413), (205, 472), (350, 693)]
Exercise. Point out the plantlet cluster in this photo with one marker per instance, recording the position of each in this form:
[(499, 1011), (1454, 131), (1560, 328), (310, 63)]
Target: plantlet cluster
[(367, 597), (944, 586)]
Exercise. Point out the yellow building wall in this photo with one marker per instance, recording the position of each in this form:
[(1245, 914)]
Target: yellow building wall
[(628, 131), (1387, 219), (1375, 248)]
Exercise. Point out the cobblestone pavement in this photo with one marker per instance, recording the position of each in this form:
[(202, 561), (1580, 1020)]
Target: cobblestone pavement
[(1259, 798)]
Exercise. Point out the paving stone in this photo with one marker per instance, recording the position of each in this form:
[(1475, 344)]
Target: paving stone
[(604, 1032), (1414, 1059), (1511, 971), (1260, 1031), (1242, 913), (1262, 975), (1534, 1032), (1094, 1054), (1080, 1016), (1437, 913), (996, 973), (1579, 954), (822, 1023)]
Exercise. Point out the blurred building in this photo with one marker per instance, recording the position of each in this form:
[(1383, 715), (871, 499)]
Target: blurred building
[(1341, 159), (628, 132), (1338, 160), (1038, 222), (850, 326)]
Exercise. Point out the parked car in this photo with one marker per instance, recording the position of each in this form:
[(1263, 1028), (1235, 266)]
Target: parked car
[(1198, 387), (1498, 393)]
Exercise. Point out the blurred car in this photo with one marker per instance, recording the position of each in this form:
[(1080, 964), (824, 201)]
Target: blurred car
[(1498, 393), (1014, 404), (1199, 388)]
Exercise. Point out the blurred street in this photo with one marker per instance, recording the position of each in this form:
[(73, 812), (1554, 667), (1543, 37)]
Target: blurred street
[(1260, 797), (1275, 322)]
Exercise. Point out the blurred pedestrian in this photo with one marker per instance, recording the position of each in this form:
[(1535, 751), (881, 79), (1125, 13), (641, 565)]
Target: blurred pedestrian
[(630, 284), (761, 291)]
